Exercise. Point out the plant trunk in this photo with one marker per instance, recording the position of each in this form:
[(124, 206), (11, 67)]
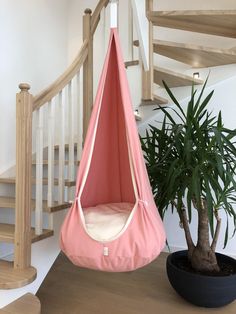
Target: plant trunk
[(203, 257), (185, 222)]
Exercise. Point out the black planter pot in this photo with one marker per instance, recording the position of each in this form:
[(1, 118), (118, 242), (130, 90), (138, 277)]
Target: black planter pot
[(201, 290)]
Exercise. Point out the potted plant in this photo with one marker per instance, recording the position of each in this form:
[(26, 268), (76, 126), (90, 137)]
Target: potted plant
[(191, 162)]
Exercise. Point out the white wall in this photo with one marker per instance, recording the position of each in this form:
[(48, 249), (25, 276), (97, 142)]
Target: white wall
[(224, 100), (33, 41)]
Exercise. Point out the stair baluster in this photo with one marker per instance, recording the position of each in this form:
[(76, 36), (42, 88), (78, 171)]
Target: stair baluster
[(51, 151), (61, 133), (39, 171), (71, 136), (79, 115)]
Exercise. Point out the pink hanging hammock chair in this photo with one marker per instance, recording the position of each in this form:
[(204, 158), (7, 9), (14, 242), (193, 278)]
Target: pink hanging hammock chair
[(113, 224)]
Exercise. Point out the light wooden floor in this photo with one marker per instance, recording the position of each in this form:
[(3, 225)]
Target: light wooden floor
[(72, 290)]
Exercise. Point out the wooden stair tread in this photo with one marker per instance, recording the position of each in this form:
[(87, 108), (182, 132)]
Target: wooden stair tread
[(194, 55), (173, 79), (12, 180), (7, 233), (9, 202), (28, 303), (11, 278), (131, 63), (157, 100), (160, 100), (214, 22)]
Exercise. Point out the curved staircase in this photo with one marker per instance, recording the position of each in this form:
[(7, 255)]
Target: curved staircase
[(210, 22)]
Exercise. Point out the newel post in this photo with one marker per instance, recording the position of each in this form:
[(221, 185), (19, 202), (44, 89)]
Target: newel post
[(147, 77), (24, 103), (87, 71)]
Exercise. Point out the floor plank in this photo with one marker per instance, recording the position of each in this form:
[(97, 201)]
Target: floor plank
[(72, 290)]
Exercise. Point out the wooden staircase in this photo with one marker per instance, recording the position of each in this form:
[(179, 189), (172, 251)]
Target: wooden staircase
[(10, 276), (211, 22)]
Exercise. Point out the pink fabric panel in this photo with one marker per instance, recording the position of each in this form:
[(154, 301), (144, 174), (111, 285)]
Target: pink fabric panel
[(109, 179), (136, 247), (144, 238)]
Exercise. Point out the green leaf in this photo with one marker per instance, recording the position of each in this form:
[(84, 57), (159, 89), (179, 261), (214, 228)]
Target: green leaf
[(202, 91), (204, 104), (163, 109), (174, 99), (191, 156), (226, 233)]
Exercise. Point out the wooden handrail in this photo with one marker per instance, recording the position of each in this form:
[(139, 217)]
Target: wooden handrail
[(51, 91), (96, 14)]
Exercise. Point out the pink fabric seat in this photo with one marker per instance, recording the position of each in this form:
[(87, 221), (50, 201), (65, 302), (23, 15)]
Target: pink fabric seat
[(112, 171)]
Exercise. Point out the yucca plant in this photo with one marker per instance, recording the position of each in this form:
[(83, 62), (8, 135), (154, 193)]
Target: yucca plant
[(191, 162)]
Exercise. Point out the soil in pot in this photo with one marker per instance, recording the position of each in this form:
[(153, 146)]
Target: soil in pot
[(226, 268)]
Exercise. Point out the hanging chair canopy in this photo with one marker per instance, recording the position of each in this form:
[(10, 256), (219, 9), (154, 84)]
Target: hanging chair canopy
[(113, 225), (109, 175)]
